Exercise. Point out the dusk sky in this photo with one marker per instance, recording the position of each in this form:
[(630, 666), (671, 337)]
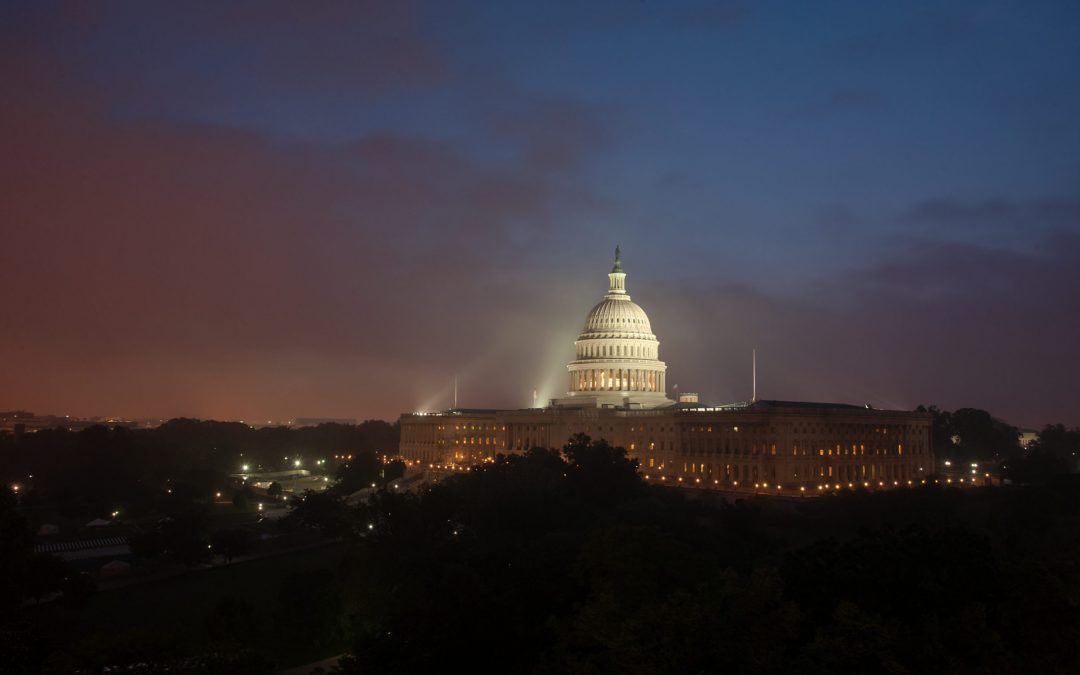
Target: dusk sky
[(265, 210)]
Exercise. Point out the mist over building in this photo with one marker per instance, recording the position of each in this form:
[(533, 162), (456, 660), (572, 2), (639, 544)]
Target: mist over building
[(617, 391)]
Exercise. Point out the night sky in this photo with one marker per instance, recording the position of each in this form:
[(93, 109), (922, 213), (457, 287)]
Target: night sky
[(266, 210)]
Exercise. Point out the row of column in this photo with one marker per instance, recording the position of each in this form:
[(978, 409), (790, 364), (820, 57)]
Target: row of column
[(617, 379), (591, 351)]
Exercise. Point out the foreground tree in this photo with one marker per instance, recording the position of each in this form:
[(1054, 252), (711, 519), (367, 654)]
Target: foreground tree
[(184, 537), (16, 551), (362, 471), (1059, 441), (231, 543)]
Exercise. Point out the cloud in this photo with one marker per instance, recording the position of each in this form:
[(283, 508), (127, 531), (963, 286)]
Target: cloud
[(953, 324), (996, 213), (218, 51), (856, 99), (164, 268), (932, 28), (160, 262)]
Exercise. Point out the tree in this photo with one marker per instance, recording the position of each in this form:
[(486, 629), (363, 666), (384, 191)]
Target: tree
[(16, 550), (231, 543), (358, 473), (77, 589), (1054, 454), (1036, 468), (184, 537), (970, 434), (233, 621), (1059, 441), (601, 471), (274, 490), (309, 612), (242, 499), (46, 574), (324, 511), (393, 470), (146, 544), (982, 437)]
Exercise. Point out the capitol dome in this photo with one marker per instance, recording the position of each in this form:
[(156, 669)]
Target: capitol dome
[(618, 314), (617, 354)]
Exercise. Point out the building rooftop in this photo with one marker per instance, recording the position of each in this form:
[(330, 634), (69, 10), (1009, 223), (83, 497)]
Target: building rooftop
[(806, 404)]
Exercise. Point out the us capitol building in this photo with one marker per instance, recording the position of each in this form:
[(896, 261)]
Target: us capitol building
[(617, 392)]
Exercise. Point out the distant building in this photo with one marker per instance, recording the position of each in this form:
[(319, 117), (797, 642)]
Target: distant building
[(22, 421), (316, 421), (1027, 437), (617, 392)]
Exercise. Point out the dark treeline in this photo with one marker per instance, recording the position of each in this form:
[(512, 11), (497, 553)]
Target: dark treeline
[(159, 485), (549, 563), (567, 562), (972, 435), (99, 470)]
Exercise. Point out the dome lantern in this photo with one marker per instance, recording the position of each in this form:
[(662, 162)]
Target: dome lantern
[(617, 278)]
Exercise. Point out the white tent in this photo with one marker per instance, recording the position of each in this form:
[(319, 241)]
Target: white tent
[(114, 568)]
